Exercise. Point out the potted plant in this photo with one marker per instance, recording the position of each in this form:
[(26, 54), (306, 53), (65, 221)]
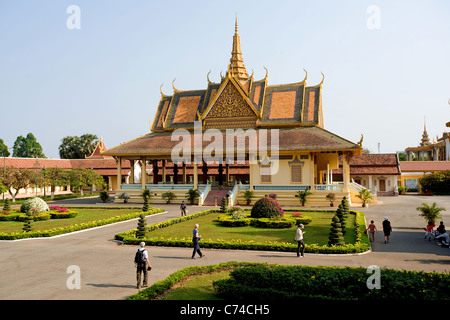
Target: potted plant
[(192, 195), (168, 196), (104, 196), (366, 196), (303, 194), (431, 213), (248, 195), (331, 197), (124, 197)]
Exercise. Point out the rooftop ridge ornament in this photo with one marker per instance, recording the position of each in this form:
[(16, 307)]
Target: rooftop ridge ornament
[(236, 68)]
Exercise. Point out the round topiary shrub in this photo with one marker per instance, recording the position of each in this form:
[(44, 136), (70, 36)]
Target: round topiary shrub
[(37, 203), (267, 208)]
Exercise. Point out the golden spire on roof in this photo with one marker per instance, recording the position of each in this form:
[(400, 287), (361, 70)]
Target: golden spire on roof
[(236, 68)]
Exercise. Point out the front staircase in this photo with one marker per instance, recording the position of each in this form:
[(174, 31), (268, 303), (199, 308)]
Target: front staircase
[(210, 198)]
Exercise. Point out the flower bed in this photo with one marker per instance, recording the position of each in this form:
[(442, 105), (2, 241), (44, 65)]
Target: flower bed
[(74, 227), (361, 244)]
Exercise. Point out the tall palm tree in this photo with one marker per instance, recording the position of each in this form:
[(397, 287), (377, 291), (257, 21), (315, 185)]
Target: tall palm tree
[(430, 212)]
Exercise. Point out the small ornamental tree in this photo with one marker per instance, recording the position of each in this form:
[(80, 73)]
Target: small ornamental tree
[(141, 227), (28, 225), (224, 205), (340, 215), (336, 237), (366, 196), (168, 196), (146, 196), (267, 208), (6, 206), (303, 196), (431, 213)]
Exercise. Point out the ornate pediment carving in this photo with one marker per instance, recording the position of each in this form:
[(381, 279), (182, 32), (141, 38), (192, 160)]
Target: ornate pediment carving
[(230, 104)]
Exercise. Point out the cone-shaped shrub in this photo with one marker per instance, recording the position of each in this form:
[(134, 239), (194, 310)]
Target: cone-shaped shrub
[(141, 227), (336, 236)]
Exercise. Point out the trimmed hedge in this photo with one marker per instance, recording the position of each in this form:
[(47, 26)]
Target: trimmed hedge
[(22, 217), (227, 220), (281, 283), (75, 227), (161, 287), (361, 244)]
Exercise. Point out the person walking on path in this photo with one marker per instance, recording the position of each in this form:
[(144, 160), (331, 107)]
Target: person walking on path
[(183, 208), (387, 228), (142, 265), (429, 230), (372, 228), (195, 239), (300, 242)]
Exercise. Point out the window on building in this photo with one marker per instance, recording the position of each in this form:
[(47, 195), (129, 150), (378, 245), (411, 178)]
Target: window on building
[(266, 177), (296, 173)]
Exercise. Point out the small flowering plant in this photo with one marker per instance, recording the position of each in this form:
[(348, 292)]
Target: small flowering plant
[(267, 208), (59, 209)]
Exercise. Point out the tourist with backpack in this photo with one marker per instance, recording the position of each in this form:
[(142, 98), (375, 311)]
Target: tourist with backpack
[(142, 265)]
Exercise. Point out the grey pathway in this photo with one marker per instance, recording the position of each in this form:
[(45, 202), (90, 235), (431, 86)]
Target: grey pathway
[(36, 269)]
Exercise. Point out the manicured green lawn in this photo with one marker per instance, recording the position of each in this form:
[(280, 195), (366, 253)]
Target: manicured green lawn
[(197, 288), (210, 229), (84, 215)]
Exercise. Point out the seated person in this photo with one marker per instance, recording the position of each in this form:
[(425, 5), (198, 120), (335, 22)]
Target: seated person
[(441, 228), (443, 238)]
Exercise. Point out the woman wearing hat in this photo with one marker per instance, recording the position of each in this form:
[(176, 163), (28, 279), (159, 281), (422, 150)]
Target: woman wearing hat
[(299, 239), (386, 229)]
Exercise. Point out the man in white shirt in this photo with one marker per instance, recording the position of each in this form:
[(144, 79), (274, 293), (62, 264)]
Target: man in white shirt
[(141, 266), (299, 238)]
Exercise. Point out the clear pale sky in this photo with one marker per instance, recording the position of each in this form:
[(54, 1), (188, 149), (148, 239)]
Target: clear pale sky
[(104, 78)]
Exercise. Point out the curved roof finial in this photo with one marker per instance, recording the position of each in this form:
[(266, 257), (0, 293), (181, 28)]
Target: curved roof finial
[(323, 78), (207, 77), (267, 73), (306, 75), (160, 89), (173, 85), (253, 72)]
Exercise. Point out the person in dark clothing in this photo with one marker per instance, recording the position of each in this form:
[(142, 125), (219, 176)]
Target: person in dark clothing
[(387, 229), (441, 228), (183, 208), (195, 239)]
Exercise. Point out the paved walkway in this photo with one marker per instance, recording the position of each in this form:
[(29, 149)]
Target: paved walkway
[(37, 268)]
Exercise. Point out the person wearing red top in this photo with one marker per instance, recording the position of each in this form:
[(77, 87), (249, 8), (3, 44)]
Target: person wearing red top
[(429, 231), (372, 230)]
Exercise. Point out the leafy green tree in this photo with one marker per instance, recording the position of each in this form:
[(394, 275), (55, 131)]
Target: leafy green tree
[(73, 147), (82, 177), (27, 147), (55, 177), (4, 152), (14, 180), (437, 182)]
